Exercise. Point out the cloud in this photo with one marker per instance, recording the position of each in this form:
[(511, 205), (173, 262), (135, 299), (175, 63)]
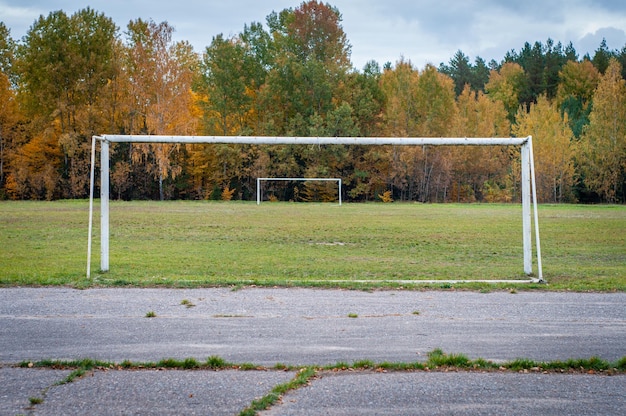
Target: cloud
[(615, 39), (19, 18), (425, 31)]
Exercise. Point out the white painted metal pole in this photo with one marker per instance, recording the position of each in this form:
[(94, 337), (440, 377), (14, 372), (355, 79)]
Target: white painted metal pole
[(91, 186), (339, 191), (401, 141), (526, 222), (104, 206), (258, 191), (534, 189)]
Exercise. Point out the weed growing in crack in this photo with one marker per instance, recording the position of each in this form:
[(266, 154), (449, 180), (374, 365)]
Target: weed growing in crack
[(216, 362), (248, 367), (520, 364), (301, 379), (365, 364), (190, 363), (437, 358), (169, 363)]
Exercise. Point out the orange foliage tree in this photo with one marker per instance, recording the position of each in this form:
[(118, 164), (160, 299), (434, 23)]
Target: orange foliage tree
[(160, 75)]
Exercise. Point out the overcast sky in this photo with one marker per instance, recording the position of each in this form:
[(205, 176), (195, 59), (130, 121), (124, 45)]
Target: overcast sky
[(422, 31)]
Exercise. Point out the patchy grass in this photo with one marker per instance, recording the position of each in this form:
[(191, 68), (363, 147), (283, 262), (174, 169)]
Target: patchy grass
[(216, 362), (441, 361), (437, 360), (302, 378), (359, 246), (80, 367)]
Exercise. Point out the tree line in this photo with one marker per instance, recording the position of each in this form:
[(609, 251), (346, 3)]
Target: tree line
[(74, 76)]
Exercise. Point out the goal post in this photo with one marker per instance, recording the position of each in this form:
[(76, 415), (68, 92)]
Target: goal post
[(528, 186), (259, 180)]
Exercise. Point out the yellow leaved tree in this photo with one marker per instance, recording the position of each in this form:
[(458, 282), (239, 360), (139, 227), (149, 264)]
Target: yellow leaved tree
[(553, 149), (160, 75), (603, 143)]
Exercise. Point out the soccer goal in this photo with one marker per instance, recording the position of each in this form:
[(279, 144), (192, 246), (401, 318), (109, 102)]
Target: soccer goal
[(259, 180), (528, 186)]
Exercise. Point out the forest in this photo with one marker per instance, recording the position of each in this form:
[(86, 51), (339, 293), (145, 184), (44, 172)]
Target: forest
[(74, 76)]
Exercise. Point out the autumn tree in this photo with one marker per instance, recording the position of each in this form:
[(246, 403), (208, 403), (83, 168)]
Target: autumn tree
[(8, 105), (435, 112), (72, 76), (160, 75), (399, 86), (232, 73), (8, 110), (312, 58), (35, 167), (435, 103), (259, 57), (9, 117), (479, 172), (603, 143), (46, 75), (7, 52), (418, 104), (64, 63), (621, 58), (306, 86), (552, 148), (223, 87), (578, 81), (506, 85), (366, 98)]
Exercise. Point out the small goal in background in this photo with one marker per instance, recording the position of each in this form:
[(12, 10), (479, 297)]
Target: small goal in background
[(259, 180)]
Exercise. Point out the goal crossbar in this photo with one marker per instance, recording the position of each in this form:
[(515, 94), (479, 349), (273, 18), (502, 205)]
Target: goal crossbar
[(529, 188), (401, 141)]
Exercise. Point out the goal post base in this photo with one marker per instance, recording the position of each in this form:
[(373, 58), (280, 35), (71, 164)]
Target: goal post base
[(432, 281)]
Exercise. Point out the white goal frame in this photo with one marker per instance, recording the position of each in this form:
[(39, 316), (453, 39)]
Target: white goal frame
[(529, 188), (259, 180)]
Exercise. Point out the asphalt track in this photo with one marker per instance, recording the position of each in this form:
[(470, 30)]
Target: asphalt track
[(307, 327)]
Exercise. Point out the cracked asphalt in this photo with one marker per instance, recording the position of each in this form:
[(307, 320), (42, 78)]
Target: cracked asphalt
[(266, 326)]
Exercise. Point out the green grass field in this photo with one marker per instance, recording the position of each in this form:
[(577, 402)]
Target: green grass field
[(199, 243)]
